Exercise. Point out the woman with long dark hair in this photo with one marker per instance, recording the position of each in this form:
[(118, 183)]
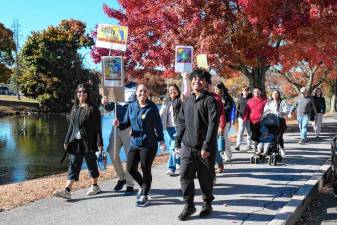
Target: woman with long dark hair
[(169, 113), (320, 108), (146, 131), (279, 107), (83, 140)]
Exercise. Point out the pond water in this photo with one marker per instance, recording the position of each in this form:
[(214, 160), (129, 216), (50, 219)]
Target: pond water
[(32, 147)]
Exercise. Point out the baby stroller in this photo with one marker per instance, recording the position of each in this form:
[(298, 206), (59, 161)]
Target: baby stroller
[(271, 121)]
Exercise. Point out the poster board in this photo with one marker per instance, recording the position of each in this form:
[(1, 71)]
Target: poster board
[(112, 37), (113, 78), (202, 61), (183, 59)]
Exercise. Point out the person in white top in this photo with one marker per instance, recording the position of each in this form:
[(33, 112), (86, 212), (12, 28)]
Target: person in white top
[(279, 107)]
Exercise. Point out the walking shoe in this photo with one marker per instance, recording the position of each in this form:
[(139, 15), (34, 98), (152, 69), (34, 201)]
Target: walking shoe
[(129, 190), (214, 180), (177, 167), (119, 186), (94, 190), (301, 142), (283, 153), (170, 172), (139, 193), (206, 210), (237, 148), (62, 194), (187, 212), (142, 201)]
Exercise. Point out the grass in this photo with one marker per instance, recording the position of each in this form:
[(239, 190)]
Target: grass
[(14, 98)]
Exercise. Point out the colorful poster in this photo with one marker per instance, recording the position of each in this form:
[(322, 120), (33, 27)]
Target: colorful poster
[(113, 71), (202, 61), (112, 37), (183, 59)]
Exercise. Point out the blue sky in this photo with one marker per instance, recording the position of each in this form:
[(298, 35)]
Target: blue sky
[(35, 15)]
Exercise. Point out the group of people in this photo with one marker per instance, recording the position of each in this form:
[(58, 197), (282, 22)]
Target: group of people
[(197, 121)]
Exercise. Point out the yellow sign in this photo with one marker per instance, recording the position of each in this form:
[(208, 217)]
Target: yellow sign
[(202, 61), (112, 37)]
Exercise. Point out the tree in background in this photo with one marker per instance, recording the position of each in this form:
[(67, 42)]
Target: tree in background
[(237, 35), (52, 67), (7, 45)]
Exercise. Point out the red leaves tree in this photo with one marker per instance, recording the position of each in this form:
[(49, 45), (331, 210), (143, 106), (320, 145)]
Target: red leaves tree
[(237, 35)]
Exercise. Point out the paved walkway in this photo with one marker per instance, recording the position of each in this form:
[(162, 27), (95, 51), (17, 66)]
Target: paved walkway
[(244, 194)]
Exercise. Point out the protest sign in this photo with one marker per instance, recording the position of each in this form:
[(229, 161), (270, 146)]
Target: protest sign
[(183, 59), (202, 61), (112, 37)]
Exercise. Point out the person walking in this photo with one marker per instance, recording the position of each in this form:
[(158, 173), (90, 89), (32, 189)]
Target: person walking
[(228, 103), (253, 113), (278, 107), (169, 113), (121, 138), (196, 140), (146, 131), (319, 101), (83, 140), (305, 107), (243, 125)]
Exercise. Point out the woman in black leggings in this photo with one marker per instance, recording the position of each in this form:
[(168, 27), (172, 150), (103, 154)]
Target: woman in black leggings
[(146, 130)]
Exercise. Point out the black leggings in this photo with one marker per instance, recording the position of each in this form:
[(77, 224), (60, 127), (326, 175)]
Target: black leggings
[(145, 156)]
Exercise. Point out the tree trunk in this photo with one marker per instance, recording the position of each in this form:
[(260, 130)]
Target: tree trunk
[(257, 78), (333, 96)]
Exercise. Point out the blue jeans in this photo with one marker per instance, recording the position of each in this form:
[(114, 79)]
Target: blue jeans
[(172, 161), (218, 158), (303, 122)]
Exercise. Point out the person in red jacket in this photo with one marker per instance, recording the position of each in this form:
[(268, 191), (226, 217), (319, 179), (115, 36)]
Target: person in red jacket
[(253, 113)]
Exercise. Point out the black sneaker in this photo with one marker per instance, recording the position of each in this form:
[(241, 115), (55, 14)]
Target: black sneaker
[(129, 190), (187, 212), (119, 186), (237, 148), (206, 210)]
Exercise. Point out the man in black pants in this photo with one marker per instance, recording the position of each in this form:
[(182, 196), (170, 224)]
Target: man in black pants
[(197, 127)]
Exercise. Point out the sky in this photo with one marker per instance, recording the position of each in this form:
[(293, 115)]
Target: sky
[(36, 15)]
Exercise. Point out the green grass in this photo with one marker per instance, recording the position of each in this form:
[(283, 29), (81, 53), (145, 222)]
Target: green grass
[(13, 98)]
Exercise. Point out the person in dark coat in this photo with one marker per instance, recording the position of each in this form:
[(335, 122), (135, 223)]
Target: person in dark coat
[(83, 140), (319, 101), (197, 128)]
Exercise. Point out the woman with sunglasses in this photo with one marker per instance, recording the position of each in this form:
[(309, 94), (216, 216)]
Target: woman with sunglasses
[(83, 140)]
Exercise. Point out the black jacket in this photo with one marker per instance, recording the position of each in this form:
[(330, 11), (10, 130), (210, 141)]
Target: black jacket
[(89, 125), (320, 104), (242, 103), (228, 104), (198, 122)]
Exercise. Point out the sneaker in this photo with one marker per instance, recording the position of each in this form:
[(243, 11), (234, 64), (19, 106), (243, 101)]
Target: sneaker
[(220, 169), (187, 212), (283, 153), (119, 186), (301, 142), (206, 210), (237, 148), (170, 172), (62, 194), (228, 160), (129, 190), (94, 190), (142, 201), (139, 193), (214, 180), (177, 167)]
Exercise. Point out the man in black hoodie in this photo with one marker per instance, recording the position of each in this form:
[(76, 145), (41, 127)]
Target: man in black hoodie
[(242, 102), (197, 127)]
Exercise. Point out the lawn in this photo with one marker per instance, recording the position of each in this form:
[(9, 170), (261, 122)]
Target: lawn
[(14, 98)]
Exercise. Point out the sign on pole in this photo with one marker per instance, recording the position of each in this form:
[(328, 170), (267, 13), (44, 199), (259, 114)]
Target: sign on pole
[(112, 37), (113, 71), (183, 59)]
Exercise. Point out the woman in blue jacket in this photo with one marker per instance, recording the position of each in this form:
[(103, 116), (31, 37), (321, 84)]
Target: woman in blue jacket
[(146, 130)]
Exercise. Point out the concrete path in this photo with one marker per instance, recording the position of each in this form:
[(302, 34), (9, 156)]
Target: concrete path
[(244, 194)]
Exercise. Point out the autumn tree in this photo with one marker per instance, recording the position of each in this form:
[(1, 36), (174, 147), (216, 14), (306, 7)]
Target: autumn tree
[(52, 66), (237, 35), (7, 45)]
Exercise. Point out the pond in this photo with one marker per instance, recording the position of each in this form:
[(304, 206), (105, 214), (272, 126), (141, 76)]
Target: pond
[(32, 147)]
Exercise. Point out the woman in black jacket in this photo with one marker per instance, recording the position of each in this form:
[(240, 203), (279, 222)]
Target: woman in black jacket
[(83, 140), (320, 108)]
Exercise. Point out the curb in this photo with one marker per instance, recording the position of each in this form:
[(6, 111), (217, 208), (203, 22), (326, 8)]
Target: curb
[(293, 210)]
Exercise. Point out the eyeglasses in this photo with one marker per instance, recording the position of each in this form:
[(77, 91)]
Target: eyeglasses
[(81, 92)]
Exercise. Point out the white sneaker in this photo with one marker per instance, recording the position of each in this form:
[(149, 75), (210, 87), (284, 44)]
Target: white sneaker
[(94, 190), (62, 194), (170, 172), (177, 167), (283, 153)]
